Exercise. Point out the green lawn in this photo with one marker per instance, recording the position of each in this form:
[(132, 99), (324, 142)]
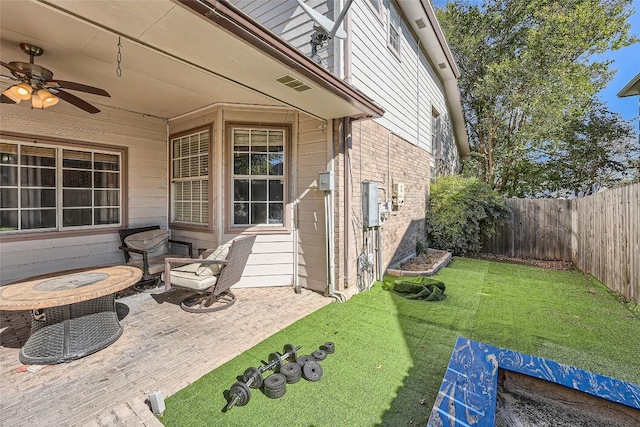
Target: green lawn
[(391, 353)]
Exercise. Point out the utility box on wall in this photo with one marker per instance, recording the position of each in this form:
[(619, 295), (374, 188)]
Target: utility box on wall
[(370, 212), (325, 181), (398, 195)]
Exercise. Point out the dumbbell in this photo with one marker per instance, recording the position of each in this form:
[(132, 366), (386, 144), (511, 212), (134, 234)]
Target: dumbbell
[(277, 360), (239, 392)]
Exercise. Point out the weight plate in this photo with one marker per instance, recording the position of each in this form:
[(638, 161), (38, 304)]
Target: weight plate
[(275, 382), (312, 371), (292, 371), (291, 351), (329, 347), (274, 394), (319, 355), (304, 359), (275, 361), (240, 393), (255, 374)]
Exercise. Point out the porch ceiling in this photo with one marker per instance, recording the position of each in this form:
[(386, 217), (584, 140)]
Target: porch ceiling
[(173, 60)]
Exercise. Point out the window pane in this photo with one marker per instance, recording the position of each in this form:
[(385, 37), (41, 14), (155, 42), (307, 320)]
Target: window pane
[(8, 220), (40, 198), (76, 159), (106, 180), (9, 198), (276, 138), (241, 190), (275, 213), (76, 178), (259, 141), (258, 213), (8, 154), (76, 217), (241, 140), (45, 218), (276, 190), (37, 177), (276, 162), (76, 198), (38, 156), (107, 162), (258, 164), (241, 213), (241, 164), (106, 198), (107, 215), (9, 175), (259, 190)]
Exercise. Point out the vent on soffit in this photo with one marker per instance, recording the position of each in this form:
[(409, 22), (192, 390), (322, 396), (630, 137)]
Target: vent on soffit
[(420, 23), (293, 83), (442, 65)]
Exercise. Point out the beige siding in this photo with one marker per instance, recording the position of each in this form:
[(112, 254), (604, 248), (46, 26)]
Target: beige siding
[(145, 138), (312, 159)]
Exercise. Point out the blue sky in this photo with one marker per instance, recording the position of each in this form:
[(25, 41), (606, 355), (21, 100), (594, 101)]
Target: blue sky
[(627, 65)]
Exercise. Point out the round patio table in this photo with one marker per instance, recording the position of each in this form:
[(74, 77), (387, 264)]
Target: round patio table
[(73, 312)]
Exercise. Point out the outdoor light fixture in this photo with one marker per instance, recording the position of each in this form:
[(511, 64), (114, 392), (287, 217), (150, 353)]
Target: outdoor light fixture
[(41, 98)]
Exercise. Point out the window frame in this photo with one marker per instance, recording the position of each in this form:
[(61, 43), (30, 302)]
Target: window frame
[(60, 145), (230, 228), (187, 225), (398, 28)]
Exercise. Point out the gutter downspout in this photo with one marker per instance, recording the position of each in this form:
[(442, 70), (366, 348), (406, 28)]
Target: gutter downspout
[(329, 211)]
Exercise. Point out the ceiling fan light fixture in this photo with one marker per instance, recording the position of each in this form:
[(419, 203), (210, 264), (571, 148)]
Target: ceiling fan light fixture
[(22, 91), (36, 102), (47, 98), (11, 96)]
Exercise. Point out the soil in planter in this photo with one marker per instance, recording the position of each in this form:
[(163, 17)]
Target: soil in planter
[(422, 262)]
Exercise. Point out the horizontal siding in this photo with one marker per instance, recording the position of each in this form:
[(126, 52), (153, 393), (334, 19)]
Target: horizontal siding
[(145, 139)]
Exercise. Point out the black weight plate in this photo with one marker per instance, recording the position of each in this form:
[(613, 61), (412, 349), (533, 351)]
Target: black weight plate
[(274, 394), (241, 391), (312, 371), (291, 350), (255, 374), (304, 359), (275, 359), (275, 382), (329, 347), (319, 355), (292, 371)]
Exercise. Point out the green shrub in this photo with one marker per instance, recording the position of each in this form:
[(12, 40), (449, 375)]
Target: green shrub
[(461, 212), (421, 247)]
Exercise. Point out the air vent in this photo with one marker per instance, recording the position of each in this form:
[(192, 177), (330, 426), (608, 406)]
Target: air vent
[(442, 65), (420, 23), (293, 83)]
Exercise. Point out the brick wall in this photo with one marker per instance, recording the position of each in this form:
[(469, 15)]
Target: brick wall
[(379, 156)]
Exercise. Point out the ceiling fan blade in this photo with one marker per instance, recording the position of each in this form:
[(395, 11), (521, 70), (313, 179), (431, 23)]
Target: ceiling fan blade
[(12, 68), (80, 103), (63, 84), (4, 99)]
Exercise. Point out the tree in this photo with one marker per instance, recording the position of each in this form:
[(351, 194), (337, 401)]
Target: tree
[(598, 151), (528, 68)]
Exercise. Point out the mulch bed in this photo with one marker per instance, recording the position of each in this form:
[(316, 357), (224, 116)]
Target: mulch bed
[(554, 265), (422, 262)]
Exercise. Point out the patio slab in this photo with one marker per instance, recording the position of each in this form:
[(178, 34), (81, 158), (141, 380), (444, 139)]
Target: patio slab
[(162, 348)]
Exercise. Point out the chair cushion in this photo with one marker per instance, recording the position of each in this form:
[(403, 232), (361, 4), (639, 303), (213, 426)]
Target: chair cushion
[(156, 264), (155, 242), (185, 277), (220, 254)]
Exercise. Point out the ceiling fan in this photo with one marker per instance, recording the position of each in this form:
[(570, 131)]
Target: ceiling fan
[(37, 84)]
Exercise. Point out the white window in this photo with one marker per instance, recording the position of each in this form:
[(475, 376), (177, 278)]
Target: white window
[(258, 177), (394, 31), (190, 178), (56, 188), (436, 135), (376, 5)]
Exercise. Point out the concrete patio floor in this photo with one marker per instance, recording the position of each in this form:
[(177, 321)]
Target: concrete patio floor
[(162, 348)]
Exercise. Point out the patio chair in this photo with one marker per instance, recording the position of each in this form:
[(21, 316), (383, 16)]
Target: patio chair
[(211, 277), (147, 248)]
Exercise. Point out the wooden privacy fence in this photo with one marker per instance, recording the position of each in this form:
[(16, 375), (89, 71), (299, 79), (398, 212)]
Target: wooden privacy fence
[(600, 234)]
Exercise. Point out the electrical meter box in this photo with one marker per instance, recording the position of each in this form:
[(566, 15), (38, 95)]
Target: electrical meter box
[(325, 181), (370, 211), (398, 194)]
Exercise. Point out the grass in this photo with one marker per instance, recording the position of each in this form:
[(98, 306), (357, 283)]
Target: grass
[(391, 353)]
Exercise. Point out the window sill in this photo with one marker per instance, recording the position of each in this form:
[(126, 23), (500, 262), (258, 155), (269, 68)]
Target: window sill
[(257, 230), (41, 235)]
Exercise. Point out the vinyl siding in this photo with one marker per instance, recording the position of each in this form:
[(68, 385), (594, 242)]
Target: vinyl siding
[(145, 139)]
